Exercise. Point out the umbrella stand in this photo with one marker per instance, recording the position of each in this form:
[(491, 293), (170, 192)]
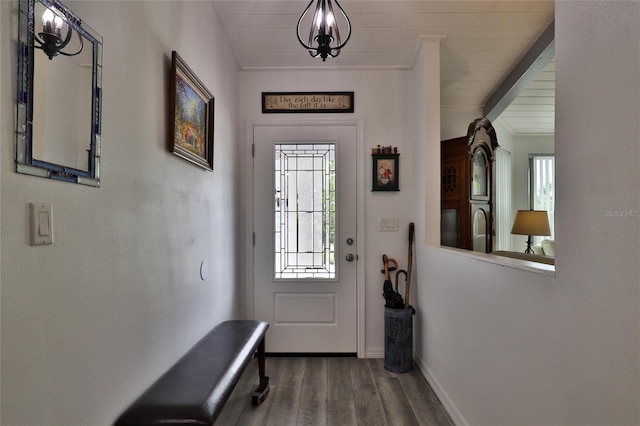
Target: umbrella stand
[(398, 316)]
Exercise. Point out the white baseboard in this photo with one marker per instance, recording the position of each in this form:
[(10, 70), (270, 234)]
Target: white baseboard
[(374, 353), (447, 403)]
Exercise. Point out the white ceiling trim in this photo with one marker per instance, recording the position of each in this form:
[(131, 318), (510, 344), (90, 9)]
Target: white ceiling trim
[(323, 65)]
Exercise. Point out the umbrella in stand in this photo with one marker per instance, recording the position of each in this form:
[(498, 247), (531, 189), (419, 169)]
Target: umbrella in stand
[(392, 297)]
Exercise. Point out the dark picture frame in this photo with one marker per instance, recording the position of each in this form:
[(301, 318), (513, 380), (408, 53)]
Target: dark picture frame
[(307, 102), (192, 115), (386, 172)]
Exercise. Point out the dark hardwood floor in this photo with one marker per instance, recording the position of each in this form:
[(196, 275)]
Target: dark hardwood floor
[(334, 391)]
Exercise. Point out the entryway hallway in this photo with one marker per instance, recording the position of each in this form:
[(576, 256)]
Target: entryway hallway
[(334, 391)]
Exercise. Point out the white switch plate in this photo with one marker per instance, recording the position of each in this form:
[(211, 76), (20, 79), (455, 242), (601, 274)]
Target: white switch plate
[(41, 224), (388, 224)]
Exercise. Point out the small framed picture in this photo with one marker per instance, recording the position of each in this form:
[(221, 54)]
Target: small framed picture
[(386, 173), (191, 118)]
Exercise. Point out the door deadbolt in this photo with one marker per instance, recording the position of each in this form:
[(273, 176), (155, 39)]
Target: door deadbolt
[(349, 241)]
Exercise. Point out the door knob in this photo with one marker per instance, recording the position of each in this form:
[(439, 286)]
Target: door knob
[(350, 257)]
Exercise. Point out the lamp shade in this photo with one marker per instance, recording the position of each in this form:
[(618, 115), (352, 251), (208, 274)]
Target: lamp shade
[(531, 222)]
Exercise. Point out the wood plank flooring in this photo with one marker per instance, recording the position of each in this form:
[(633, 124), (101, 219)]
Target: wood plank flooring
[(334, 391)]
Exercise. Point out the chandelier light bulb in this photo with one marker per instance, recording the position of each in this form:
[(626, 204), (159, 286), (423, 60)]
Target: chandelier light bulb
[(330, 19), (58, 22), (47, 17), (318, 17)]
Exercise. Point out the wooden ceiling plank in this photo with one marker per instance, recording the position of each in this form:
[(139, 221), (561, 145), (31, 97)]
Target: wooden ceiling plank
[(538, 56), (427, 20), (529, 108)]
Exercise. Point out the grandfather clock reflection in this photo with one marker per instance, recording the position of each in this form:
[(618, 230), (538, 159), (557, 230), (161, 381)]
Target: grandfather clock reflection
[(468, 187)]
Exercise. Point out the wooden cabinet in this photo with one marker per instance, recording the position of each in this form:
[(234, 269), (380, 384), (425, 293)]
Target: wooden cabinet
[(454, 196), (468, 188)]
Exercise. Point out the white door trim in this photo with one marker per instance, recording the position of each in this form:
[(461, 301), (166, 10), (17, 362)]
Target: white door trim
[(360, 234)]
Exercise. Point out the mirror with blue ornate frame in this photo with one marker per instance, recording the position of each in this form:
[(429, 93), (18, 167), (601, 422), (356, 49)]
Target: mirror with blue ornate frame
[(59, 94)]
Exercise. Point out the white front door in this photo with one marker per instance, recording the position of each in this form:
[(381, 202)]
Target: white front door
[(304, 220)]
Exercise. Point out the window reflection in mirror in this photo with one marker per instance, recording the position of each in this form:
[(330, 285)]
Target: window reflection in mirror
[(59, 95)]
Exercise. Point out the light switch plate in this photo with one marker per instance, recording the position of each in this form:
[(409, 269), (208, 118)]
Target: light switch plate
[(41, 224), (388, 224)]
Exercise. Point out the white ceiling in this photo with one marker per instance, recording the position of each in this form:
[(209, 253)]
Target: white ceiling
[(533, 112), (481, 42)]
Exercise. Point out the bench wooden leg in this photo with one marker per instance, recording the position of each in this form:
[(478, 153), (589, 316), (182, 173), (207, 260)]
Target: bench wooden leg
[(262, 391)]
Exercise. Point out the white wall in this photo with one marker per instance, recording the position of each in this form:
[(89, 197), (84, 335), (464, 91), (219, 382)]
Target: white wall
[(380, 103), (456, 119), (90, 322), (509, 346), (520, 147), (5, 111), (399, 108)]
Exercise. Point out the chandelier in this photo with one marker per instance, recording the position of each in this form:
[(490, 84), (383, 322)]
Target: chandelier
[(50, 40), (324, 35)]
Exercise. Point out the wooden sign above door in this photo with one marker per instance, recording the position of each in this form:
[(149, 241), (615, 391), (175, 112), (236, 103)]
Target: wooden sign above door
[(307, 102)]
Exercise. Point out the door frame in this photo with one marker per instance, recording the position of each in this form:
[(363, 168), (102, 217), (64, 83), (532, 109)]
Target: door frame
[(360, 226)]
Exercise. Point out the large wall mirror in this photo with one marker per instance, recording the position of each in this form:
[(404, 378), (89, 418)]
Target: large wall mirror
[(59, 94)]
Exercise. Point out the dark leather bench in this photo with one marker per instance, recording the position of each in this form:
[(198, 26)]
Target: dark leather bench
[(195, 389)]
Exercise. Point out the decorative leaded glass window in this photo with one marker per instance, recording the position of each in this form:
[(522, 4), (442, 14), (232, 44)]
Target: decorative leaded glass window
[(305, 211)]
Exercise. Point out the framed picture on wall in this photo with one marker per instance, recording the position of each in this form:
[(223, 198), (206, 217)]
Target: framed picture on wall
[(191, 120), (386, 173)]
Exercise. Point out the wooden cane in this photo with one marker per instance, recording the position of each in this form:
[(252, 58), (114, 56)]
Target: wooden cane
[(409, 267)]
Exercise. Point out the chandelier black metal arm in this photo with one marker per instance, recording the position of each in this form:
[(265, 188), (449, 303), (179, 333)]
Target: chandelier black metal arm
[(50, 40), (324, 34)]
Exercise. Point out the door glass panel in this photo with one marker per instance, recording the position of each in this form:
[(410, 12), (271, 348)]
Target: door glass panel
[(480, 231), (304, 211), (479, 184), (450, 227)]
